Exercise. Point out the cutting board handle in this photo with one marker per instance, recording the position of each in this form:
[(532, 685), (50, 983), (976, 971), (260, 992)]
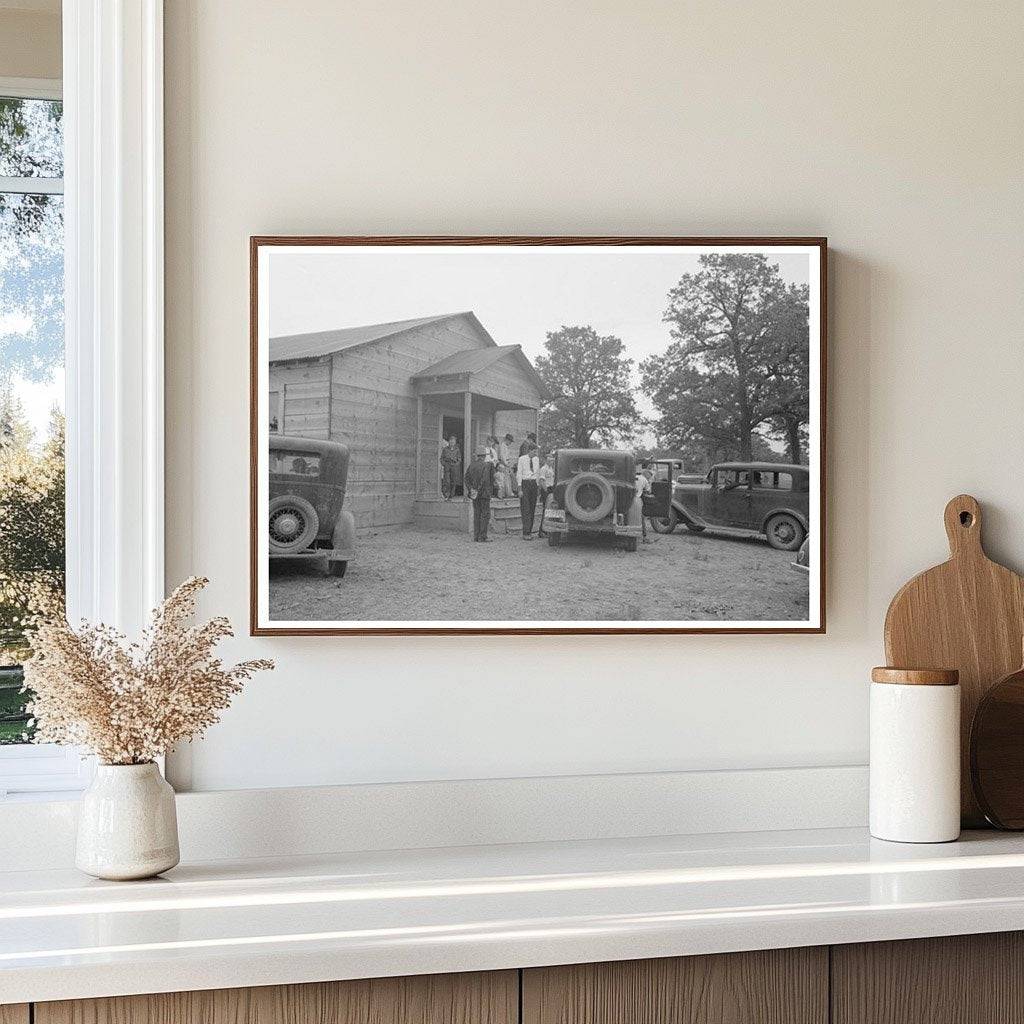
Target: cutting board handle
[(963, 526)]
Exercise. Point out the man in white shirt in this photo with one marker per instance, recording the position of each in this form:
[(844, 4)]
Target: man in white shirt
[(528, 468)]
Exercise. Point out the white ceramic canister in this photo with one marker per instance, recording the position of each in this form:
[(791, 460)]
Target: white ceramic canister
[(915, 755), (127, 825)]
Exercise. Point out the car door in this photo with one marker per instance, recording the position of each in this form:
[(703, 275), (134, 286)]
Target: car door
[(768, 491), (657, 501), (727, 500)]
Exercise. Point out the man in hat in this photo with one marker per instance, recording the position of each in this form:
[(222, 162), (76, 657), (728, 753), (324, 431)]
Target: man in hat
[(528, 444), (479, 484)]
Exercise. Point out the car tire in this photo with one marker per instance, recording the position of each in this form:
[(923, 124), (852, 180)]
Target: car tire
[(665, 524), (293, 524), (784, 532), (337, 568), (590, 512)]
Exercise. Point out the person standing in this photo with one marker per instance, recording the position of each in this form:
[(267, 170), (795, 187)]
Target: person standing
[(530, 442), (507, 459), (643, 486), (545, 485), (527, 473), (479, 485), (451, 467)]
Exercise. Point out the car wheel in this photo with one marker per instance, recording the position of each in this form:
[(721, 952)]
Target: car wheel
[(293, 524), (784, 532), (337, 568), (665, 524), (589, 497)]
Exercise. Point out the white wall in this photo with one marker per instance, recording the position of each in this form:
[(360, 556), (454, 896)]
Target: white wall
[(30, 39), (895, 129)]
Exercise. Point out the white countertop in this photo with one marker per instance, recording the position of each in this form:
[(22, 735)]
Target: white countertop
[(261, 922)]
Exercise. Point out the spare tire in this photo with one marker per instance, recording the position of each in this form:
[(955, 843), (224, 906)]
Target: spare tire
[(589, 497), (293, 524)]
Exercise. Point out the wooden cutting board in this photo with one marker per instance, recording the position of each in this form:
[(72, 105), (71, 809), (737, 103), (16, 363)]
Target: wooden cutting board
[(967, 614)]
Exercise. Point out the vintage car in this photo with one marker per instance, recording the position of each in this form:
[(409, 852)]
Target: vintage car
[(307, 491), (771, 498), (594, 494)]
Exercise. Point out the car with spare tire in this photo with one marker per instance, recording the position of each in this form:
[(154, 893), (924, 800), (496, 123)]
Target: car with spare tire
[(594, 495), (769, 498), (306, 520)]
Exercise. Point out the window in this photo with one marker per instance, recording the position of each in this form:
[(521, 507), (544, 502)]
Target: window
[(31, 384), (731, 479)]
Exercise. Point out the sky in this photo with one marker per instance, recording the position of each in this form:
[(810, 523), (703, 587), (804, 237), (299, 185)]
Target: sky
[(518, 294)]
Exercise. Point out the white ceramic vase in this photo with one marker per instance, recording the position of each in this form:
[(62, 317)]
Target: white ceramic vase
[(127, 825)]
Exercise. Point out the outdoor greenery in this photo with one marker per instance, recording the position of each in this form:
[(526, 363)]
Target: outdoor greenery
[(732, 383), (31, 352)]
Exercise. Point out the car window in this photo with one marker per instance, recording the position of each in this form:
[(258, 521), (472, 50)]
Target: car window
[(661, 471), (592, 466), (295, 463), (732, 479)]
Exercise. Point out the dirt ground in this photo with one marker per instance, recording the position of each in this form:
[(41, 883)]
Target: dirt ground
[(422, 573)]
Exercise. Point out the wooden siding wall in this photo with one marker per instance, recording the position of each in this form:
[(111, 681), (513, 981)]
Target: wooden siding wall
[(517, 422), (373, 411), (304, 387)]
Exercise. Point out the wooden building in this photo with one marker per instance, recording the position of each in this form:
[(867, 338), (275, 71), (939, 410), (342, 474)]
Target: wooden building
[(391, 392)]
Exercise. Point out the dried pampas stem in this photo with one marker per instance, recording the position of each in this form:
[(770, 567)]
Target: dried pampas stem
[(129, 703)]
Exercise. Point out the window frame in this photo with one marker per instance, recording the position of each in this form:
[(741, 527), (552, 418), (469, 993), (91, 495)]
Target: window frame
[(112, 90)]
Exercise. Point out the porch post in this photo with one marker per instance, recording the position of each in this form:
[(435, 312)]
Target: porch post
[(467, 438), (419, 442)]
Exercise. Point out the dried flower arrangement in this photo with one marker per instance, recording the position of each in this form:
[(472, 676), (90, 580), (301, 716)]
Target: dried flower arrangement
[(129, 703)]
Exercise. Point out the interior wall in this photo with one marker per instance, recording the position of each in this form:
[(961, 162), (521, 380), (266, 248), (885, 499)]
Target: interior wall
[(30, 42), (895, 129)]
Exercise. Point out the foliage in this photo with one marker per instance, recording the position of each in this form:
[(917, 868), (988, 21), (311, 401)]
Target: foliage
[(31, 526), (589, 378), (738, 361), (128, 703)]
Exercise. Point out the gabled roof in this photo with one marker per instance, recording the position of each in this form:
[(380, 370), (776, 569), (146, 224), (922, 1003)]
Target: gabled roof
[(473, 360), (306, 346)]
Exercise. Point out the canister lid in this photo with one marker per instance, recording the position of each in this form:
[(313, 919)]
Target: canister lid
[(916, 676)]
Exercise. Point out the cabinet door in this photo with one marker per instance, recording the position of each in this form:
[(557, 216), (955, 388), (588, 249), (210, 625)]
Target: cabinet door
[(778, 986), (14, 1013), (962, 979), (490, 998)]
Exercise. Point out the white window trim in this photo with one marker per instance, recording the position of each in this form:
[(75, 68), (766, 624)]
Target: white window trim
[(114, 320)]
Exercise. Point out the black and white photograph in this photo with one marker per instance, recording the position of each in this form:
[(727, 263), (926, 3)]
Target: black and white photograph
[(537, 435)]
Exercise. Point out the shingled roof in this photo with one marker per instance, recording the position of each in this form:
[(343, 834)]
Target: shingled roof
[(320, 343)]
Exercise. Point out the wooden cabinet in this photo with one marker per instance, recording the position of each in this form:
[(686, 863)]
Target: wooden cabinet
[(963, 979), (490, 998), (970, 979), (777, 986)]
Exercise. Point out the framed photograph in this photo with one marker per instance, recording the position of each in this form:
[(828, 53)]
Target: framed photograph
[(537, 435)]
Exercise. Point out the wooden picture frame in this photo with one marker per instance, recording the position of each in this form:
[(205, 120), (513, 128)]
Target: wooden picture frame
[(263, 247)]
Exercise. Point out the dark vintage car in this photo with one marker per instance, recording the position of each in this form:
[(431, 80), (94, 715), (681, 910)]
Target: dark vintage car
[(771, 498), (594, 494), (307, 491)]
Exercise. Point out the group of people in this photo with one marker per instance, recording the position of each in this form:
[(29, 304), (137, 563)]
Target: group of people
[(492, 474)]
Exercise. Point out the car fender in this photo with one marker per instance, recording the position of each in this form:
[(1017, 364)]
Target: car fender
[(344, 536), (795, 513), (687, 515)]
